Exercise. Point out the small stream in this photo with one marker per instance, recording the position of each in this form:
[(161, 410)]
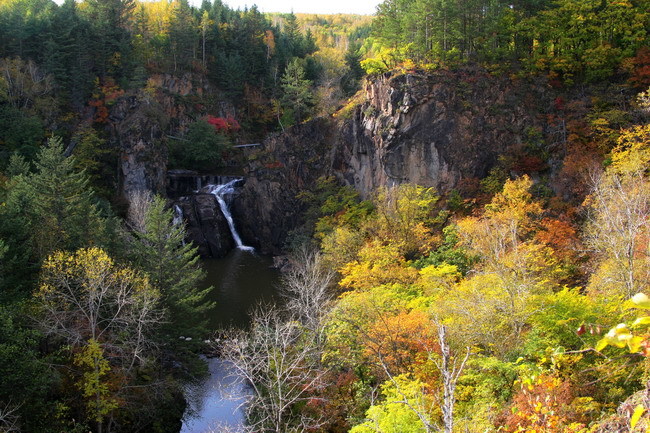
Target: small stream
[(241, 280), (215, 403)]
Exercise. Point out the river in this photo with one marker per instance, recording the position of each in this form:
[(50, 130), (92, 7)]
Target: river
[(241, 280)]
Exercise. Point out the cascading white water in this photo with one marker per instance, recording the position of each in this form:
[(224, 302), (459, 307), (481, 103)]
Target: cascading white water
[(178, 215), (220, 192)]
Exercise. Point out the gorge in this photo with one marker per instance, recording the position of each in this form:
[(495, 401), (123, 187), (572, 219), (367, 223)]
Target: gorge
[(444, 130), (435, 218)]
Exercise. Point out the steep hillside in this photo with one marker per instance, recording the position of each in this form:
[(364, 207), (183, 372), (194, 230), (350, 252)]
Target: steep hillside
[(447, 130)]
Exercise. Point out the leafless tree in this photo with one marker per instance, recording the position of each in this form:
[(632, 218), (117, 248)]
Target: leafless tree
[(618, 220), (84, 297), (449, 364), (279, 356), (306, 287), (139, 203), (277, 360), (24, 82), (9, 418), (418, 407), (450, 370)]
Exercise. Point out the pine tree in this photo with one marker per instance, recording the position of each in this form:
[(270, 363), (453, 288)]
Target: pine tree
[(158, 248), (110, 20), (183, 35), (298, 97), (48, 210), (55, 205), (65, 213)]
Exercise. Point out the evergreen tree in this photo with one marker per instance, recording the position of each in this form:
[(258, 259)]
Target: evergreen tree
[(350, 81), (183, 35), (17, 166), (158, 248), (298, 97), (293, 36), (249, 38), (66, 56), (24, 379), (202, 148), (111, 41), (54, 207)]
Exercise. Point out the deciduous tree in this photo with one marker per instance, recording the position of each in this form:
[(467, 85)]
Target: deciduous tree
[(280, 362), (95, 307), (619, 218)]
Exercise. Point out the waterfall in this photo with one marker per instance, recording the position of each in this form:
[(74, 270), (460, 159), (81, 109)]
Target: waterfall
[(178, 215), (220, 192)]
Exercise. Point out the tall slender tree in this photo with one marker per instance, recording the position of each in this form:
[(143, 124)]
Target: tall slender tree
[(158, 248)]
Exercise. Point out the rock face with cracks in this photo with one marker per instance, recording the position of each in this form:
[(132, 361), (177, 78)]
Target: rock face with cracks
[(433, 130), (268, 206), (138, 125), (205, 224)]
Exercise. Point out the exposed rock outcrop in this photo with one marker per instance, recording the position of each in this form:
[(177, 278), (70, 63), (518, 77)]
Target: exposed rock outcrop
[(433, 130), (206, 226), (142, 123), (268, 207), (180, 98), (430, 129), (138, 128)]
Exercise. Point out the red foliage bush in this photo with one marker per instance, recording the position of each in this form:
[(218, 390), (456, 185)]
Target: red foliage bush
[(221, 124), (527, 164), (105, 94), (641, 69), (544, 406)]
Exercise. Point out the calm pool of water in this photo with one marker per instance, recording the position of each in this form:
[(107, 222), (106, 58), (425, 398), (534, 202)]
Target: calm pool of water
[(240, 281)]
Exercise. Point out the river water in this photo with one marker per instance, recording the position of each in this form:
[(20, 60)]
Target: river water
[(240, 281)]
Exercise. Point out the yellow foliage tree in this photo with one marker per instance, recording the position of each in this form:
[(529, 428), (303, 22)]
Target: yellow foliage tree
[(341, 246), (433, 278), (502, 237), (94, 307), (507, 220), (484, 311), (402, 214), (99, 401), (355, 313), (377, 264)]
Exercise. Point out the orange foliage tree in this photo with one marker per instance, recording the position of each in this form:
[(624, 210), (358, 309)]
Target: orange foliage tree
[(545, 404)]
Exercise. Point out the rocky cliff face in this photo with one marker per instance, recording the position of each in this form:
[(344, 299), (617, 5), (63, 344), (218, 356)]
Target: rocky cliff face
[(268, 207), (206, 226), (142, 123), (138, 124), (430, 129), (433, 130), (181, 99)]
